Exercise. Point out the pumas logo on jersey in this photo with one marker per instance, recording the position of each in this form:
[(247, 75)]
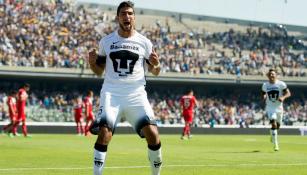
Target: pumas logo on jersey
[(123, 62), (124, 46)]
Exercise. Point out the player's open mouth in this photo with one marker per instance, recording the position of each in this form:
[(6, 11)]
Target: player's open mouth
[(126, 23)]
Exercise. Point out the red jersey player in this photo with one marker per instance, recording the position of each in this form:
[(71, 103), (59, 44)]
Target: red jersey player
[(11, 103), (88, 105), (78, 105), (22, 97), (187, 103)]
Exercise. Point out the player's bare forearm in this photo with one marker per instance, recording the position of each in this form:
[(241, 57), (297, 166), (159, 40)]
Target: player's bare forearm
[(263, 95), (97, 69), (154, 63), (286, 94)]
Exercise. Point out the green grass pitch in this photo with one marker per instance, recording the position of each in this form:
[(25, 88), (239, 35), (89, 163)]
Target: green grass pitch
[(127, 155)]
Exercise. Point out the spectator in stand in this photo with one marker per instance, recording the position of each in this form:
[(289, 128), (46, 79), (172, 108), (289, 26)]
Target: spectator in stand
[(69, 34)]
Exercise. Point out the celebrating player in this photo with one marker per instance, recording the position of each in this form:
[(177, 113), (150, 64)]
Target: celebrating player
[(124, 54), (11, 103), (187, 103), (88, 105), (274, 92)]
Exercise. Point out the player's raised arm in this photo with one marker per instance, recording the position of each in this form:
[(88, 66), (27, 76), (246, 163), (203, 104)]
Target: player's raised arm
[(154, 63), (286, 94), (97, 63)]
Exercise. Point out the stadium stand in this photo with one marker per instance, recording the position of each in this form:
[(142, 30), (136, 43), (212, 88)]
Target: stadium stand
[(44, 34), (53, 37)]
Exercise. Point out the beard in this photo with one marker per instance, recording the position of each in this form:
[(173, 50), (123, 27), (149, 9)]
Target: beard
[(126, 28)]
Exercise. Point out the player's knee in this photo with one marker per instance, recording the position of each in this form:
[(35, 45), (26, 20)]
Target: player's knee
[(151, 134), (104, 136), (94, 128)]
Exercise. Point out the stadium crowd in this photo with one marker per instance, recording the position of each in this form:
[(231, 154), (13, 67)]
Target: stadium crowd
[(56, 34), (212, 110)]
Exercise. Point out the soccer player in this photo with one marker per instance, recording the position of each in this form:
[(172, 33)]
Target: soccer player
[(274, 92), (124, 54), (78, 106), (88, 105), (22, 97), (11, 103), (187, 103)]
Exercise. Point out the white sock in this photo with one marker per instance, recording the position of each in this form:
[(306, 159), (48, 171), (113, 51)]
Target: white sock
[(274, 135), (155, 159), (99, 160)]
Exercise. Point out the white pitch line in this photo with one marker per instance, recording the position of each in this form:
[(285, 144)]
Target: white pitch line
[(164, 166)]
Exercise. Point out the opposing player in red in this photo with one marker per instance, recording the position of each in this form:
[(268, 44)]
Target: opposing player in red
[(22, 97), (11, 103), (78, 106), (88, 105), (187, 103)]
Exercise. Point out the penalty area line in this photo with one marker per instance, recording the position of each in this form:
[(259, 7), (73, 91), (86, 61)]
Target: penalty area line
[(164, 166)]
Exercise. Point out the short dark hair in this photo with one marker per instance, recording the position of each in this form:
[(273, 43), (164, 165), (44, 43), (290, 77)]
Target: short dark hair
[(189, 90), (125, 4), (272, 70), (26, 85), (89, 92), (13, 92)]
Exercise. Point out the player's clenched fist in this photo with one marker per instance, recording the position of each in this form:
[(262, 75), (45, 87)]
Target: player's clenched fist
[(92, 56), (153, 58)]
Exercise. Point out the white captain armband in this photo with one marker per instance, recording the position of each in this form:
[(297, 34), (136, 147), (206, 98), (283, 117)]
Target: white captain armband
[(156, 66), (101, 60)]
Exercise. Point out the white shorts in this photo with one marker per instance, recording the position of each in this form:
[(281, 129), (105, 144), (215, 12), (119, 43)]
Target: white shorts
[(134, 108), (278, 116)]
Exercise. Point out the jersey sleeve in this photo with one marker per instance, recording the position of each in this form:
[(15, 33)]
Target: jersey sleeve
[(148, 50), (283, 85), (101, 51), (263, 89)]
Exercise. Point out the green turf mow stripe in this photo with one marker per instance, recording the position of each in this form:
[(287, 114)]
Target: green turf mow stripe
[(164, 166)]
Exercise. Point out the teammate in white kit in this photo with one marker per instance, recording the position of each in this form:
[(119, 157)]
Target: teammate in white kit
[(274, 92), (125, 55)]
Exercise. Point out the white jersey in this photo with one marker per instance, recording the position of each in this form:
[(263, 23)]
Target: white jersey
[(273, 92), (125, 62)]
